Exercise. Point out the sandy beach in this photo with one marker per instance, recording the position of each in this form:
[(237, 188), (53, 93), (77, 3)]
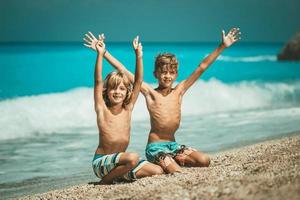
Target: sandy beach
[(267, 170)]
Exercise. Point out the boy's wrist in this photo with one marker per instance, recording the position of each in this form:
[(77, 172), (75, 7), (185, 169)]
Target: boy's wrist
[(222, 45), (102, 54), (138, 54)]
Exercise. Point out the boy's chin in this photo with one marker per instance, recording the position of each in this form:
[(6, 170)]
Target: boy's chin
[(115, 103), (166, 85)]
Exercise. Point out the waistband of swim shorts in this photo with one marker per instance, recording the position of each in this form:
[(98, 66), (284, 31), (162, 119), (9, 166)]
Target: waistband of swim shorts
[(96, 156), (160, 143)]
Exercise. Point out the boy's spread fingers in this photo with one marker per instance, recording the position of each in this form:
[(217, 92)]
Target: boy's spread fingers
[(237, 34), (236, 30), (91, 34), (88, 37), (87, 45), (233, 30), (87, 41)]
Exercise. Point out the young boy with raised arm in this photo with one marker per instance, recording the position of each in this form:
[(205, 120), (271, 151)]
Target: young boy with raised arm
[(164, 106), (114, 100)]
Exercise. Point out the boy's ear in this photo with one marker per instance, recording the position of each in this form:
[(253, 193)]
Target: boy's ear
[(155, 74)]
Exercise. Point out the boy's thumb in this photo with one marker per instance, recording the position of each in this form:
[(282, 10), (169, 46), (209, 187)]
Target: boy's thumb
[(223, 33)]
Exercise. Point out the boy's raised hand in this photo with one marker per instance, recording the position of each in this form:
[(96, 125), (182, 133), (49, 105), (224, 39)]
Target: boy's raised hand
[(233, 36), (100, 47), (91, 41), (137, 46)]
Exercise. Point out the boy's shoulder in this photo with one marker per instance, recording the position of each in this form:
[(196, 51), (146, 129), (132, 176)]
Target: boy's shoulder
[(172, 91)]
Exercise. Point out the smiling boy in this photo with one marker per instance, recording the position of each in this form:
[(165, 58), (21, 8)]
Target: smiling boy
[(164, 106)]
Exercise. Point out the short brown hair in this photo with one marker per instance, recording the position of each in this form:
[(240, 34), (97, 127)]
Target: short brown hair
[(112, 81), (166, 60)]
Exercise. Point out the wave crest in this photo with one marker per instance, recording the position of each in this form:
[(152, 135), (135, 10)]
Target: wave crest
[(270, 58), (73, 111)]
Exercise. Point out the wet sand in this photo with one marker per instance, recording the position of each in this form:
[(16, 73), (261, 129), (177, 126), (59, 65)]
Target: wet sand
[(268, 170)]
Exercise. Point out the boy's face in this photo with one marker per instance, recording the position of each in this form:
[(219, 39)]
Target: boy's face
[(117, 95), (166, 76)]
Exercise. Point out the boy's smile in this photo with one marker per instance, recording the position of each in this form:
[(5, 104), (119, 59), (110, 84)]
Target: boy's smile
[(166, 77), (117, 95)]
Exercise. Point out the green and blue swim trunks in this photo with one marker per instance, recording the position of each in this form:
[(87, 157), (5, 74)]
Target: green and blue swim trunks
[(156, 150), (103, 164)]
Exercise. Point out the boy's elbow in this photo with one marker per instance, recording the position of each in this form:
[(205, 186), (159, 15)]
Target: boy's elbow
[(97, 108), (138, 84), (202, 67), (139, 80)]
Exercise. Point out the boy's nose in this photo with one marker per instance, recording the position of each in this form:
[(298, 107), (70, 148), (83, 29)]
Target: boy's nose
[(168, 74)]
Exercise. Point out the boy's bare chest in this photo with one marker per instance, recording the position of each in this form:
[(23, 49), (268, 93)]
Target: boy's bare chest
[(171, 102), (117, 122)]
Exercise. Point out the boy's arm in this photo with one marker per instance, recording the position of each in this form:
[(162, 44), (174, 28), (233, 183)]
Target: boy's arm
[(138, 77), (90, 41), (98, 82), (227, 41), (145, 88)]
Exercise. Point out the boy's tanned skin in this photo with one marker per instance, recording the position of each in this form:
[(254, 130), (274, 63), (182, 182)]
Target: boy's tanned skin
[(114, 120), (164, 102)]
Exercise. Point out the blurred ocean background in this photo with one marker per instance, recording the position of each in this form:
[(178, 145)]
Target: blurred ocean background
[(48, 130)]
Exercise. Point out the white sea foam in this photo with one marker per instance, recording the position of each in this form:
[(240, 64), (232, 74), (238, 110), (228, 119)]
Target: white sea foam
[(260, 58), (215, 96), (72, 111)]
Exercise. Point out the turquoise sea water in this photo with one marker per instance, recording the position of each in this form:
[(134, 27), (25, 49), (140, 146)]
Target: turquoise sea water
[(48, 132)]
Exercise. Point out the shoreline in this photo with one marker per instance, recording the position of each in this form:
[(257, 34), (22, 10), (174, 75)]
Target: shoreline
[(265, 170)]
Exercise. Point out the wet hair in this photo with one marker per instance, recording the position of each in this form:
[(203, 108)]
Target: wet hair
[(112, 81), (166, 61)]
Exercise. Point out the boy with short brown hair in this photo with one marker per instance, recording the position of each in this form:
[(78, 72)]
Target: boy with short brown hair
[(164, 106)]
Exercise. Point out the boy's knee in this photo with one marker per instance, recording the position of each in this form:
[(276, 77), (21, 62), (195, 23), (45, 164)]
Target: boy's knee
[(133, 159), (203, 161), (157, 170), (206, 161)]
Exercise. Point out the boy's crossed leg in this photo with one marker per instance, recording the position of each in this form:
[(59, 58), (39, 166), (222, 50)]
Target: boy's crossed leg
[(171, 155), (192, 158), (167, 163), (124, 165), (195, 159), (149, 169), (188, 158), (127, 162)]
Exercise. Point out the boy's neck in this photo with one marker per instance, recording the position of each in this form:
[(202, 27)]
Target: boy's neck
[(164, 91), (116, 109)]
